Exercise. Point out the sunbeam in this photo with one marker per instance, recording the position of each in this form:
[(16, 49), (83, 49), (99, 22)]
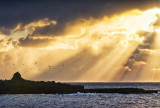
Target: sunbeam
[(89, 49)]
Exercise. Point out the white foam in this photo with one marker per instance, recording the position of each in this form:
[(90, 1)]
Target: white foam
[(78, 93)]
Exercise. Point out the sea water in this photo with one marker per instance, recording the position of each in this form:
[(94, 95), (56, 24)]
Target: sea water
[(86, 100)]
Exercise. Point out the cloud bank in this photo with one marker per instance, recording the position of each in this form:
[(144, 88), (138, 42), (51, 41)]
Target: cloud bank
[(93, 40)]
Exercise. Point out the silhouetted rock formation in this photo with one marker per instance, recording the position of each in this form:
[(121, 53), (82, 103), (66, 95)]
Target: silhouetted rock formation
[(17, 85), (17, 76)]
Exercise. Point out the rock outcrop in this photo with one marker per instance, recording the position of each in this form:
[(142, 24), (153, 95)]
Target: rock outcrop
[(17, 76), (18, 85)]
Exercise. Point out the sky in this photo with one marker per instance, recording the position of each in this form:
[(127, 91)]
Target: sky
[(80, 40)]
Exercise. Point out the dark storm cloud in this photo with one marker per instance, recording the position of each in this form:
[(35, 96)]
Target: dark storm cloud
[(48, 30), (63, 11), (30, 42), (139, 57)]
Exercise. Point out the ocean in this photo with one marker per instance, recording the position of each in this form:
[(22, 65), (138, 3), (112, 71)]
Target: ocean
[(87, 100)]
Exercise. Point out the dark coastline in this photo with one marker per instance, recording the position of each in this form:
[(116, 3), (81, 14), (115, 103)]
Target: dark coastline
[(18, 85), (37, 87), (31, 87), (120, 90)]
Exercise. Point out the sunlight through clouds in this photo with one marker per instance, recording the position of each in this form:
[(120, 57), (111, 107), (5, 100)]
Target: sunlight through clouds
[(108, 41)]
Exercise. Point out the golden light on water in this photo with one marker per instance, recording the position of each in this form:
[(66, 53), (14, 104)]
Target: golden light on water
[(89, 49)]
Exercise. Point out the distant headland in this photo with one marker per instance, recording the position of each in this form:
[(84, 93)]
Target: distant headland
[(18, 85)]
